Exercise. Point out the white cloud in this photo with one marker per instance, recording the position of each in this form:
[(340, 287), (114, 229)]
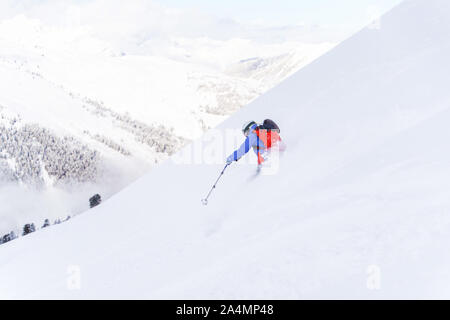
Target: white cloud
[(142, 20)]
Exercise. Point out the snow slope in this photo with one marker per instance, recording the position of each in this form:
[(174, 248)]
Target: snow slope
[(361, 192)]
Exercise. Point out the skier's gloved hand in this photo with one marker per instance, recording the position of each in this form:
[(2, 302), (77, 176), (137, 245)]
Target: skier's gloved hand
[(230, 159)]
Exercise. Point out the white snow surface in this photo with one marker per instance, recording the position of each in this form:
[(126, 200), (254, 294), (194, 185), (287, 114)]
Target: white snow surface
[(363, 186)]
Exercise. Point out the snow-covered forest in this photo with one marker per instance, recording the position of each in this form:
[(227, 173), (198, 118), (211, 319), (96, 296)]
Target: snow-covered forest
[(34, 155)]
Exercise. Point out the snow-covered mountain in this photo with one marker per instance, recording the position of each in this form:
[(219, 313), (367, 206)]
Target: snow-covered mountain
[(358, 209), (82, 115), (271, 70)]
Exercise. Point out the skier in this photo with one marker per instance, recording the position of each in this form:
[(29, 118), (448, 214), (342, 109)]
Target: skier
[(259, 137), (262, 138)]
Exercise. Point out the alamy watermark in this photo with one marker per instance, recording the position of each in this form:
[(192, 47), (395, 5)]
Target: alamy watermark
[(216, 145)]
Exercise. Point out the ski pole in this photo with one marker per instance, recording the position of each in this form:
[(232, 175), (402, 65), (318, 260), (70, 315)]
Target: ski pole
[(205, 201)]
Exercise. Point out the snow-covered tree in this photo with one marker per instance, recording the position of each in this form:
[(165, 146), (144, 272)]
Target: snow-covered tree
[(8, 237), (46, 223), (28, 228), (95, 200)]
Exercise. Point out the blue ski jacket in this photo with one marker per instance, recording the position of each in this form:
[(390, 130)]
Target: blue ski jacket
[(252, 141)]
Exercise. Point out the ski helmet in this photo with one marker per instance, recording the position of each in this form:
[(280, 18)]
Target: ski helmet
[(247, 126)]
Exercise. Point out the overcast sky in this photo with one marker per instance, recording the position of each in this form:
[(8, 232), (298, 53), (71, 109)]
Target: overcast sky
[(352, 13), (325, 20)]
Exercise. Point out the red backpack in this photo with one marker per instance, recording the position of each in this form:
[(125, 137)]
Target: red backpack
[(268, 137), (269, 134)]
